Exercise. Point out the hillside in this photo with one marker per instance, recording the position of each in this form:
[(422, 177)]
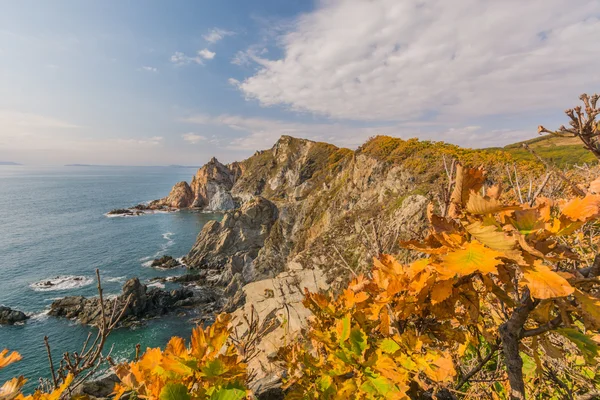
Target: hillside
[(563, 152)]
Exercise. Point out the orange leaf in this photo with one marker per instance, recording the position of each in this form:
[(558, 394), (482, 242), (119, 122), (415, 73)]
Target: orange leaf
[(582, 209), (543, 283), (441, 291), (7, 360), (474, 257)]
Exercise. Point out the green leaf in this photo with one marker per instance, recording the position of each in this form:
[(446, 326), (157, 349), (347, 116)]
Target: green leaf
[(586, 345), (343, 328), (388, 346), (358, 341), (174, 391), (213, 368), (379, 385), (229, 393)]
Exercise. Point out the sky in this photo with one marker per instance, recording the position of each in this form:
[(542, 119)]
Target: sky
[(145, 82)]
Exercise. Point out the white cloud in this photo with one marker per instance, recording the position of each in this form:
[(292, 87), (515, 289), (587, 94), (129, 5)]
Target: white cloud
[(151, 141), (150, 69), (216, 34), (403, 60), (206, 54), (179, 58), (193, 138)]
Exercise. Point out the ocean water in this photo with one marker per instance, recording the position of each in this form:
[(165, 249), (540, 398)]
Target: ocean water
[(52, 224)]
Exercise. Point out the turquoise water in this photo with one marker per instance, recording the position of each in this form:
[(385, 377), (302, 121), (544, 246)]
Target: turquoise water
[(52, 223)]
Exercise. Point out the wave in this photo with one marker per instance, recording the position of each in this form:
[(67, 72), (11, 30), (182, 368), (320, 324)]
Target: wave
[(147, 261), (115, 279), (156, 285), (137, 213), (61, 283), (40, 316)]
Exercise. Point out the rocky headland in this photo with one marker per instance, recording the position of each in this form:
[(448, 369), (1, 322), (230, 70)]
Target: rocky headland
[(304, 214)]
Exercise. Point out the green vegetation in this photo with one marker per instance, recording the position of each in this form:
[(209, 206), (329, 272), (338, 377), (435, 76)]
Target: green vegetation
[(562, 152)]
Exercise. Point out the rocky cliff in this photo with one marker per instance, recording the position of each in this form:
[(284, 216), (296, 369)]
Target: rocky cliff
[(313, 204)]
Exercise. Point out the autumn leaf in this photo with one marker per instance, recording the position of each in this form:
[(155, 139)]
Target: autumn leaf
[(543, 283), (479, 205), (589, 305), (174, 391), (582, 209), (11, 388), (441, 291), (474, 257), (7, 359), (490, 236)]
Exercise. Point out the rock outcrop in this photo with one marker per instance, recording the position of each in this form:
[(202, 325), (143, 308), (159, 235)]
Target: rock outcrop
[(181, 196), (166, 262), (144, 303), (209, 190), (8, 316), (277, 303), (239, 236)]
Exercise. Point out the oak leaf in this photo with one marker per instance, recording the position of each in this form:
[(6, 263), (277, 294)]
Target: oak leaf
[(543, 283), (474, 257)]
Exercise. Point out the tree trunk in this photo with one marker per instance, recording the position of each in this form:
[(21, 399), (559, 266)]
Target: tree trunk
[(510, 335)]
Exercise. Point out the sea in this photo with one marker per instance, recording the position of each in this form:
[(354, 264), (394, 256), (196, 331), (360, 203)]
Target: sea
[(54, 227)]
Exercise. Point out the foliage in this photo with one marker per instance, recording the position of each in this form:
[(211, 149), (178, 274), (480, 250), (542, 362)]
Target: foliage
[(497, 278), (210, 368), (11, 390)]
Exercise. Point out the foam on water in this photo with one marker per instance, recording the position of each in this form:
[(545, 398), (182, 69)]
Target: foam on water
[(61, 283), (147, 261), (115, 279), (156, 285)]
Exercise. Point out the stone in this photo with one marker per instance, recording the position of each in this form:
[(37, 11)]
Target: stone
[(143, 303), (8, 316), (241, 233)]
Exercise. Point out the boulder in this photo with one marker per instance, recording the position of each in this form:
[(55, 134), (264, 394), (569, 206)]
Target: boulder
[(8, 316), (166, 262)]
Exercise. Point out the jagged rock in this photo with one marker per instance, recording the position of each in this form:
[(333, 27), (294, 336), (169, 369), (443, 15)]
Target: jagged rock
[(9, 316), (181, 196), (241, 233), (213, 179), (143, 303), (166, 262)]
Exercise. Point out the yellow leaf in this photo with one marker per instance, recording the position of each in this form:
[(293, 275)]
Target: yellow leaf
[(479, 205), (589, 305), (441, 291), (491, 236), (11, 388), (8, 359), (176, 346), (151, 360), (474, 257), (582, 209), (543, 283)]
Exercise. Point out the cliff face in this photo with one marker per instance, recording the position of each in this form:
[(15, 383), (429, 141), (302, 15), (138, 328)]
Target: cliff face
[(305, 204)]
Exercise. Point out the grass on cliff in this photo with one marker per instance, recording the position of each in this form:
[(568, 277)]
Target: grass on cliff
[(562, 152)]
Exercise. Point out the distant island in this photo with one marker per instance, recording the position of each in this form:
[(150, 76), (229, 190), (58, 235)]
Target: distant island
[(9, 163)]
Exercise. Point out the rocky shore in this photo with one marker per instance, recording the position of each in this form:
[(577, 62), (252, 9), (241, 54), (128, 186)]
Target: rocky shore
[(143, 304)]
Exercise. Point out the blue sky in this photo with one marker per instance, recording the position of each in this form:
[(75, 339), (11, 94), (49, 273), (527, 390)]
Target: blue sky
[(156, 82)]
